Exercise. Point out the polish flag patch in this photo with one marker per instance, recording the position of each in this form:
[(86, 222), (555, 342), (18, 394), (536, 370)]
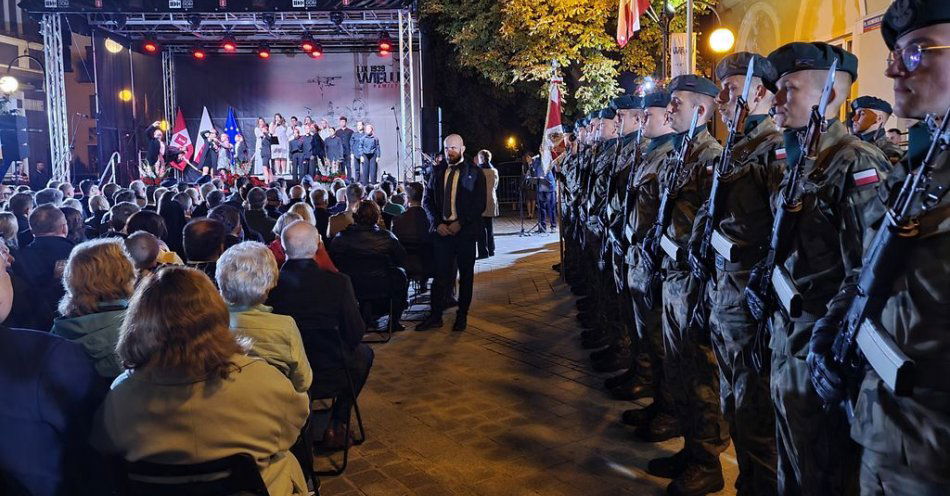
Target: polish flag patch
[(780, 153), (865, 177)]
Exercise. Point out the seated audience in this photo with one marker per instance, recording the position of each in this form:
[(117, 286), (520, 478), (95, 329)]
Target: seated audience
[(125, 195), (375, 261), (230, 216), (326, 318), (187, 204), (322, 257), (99, 279), (246, 274), (144, 249), (21, 205), (76, 228), (175, 221), (318, 199), (204, 243), (214, 199), (275, 247), (273, 203), (98, 208), (412, 229), (49, 196), (50, 393), (297, 195), (109, 191), (151, 222), (191, 395), (257, 217), (339, 199), (8, 230), (41, 265), (118, 217)]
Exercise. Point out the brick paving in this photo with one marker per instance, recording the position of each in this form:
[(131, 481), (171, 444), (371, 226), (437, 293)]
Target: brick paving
[(509, 407)]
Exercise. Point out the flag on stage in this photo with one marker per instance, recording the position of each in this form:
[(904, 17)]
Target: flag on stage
[(181, 140), (552, 126), (231, 127), (206, 125), (628, 19)]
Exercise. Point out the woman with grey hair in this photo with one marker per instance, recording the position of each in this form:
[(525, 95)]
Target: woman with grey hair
[(246, 273), (8, 230)]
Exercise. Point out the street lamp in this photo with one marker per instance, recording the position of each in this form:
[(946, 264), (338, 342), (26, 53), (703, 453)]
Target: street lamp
[(511, 143), (721, 40), (9, 83)]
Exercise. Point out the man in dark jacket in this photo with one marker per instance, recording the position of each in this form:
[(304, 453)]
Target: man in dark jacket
[(375, 262), (42, 263), (256, 217), (329, 320), (454, 202), (21, 204)]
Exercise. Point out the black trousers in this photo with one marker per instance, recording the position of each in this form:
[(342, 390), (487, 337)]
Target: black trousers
[(328, 381), (451, 251), (486, 241)]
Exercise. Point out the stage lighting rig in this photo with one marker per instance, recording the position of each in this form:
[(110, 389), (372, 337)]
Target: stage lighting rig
[(307, 44), (269, 20), (199, 53), (337, 17), (229, 44), (263, 52), (150, 46), (317, 51), (385, 43), (194, 21)]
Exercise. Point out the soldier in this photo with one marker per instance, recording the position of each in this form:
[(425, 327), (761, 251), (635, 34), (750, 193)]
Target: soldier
[(869, 123), (739, 237), (657, 421), (906, 438), (689, 364), (815, 456)]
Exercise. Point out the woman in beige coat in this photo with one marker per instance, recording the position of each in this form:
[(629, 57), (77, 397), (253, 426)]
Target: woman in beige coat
[(190, 393), (486, 242)]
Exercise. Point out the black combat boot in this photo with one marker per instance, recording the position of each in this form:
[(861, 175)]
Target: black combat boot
[(635, 390), (660, 428), (669, 467), (639, 416), (697, 480)]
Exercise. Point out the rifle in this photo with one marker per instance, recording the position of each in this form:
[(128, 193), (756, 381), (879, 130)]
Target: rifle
[(655, 239), (628, 198), (769, 273), (883, 263), (605, 216), (723, 167)]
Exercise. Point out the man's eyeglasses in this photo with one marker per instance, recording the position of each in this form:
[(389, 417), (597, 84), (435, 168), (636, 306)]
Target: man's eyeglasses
[(911, 55)]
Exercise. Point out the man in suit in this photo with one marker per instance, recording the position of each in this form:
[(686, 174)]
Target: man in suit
[(42, 263), (256, 217), (454, 202)]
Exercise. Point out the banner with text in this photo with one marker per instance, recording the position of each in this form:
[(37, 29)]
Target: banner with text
[(678, 65)]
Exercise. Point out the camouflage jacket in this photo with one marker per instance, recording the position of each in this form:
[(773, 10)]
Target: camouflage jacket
[(604, 164), (893, 152), (644, 197), (838, 209), (617, 193)]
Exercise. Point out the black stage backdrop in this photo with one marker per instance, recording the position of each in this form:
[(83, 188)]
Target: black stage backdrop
[(361, 86)]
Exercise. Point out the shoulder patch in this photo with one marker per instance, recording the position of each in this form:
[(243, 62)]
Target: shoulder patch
[(780, 153), (865, 177)]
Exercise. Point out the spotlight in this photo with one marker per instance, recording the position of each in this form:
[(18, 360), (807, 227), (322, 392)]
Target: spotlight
[(385, 42), (150, 46), (125, 95), (199, 53), (307, 43), (263, 52), (384, 53), (228, 44), (112, 46), (317, 51)]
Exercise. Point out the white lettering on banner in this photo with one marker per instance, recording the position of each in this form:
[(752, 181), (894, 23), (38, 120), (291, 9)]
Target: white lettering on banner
[(298, 4), (678, 65), (174, 4)]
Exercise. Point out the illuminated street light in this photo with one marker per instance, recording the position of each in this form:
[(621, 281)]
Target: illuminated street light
[(511, 143), (9, 84), (125, 95), (721, 40)]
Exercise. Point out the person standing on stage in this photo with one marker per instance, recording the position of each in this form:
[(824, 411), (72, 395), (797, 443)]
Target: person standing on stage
[(296, 155), (369, 154), (346, 134), (454, 202), (355, 166), (318, 152), (225, 152), (262, 150), (210, 156), (242, 156), (281, 151), (325, 130)]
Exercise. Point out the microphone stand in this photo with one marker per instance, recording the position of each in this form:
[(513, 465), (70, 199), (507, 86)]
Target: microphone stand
[(398, 147), (521, 183)]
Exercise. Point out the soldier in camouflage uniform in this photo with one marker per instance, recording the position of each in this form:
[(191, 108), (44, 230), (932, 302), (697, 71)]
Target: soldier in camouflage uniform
[(656, 422), (869, 121), (906, 439), (815, 455), (742, 227), (569, 167), (689, 364)]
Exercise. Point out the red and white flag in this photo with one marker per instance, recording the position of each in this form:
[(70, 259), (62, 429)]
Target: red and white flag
[(181, 140), (628, 19), (206, 125), (552, 124)]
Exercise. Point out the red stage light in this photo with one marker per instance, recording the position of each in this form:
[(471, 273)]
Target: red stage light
[(150, 46), (317, 51), (199, 53), (263, 52), (228, 44), (384, 53), (385, 42), (307, 44)]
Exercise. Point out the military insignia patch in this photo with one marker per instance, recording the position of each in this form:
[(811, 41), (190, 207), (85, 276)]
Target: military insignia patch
[(865, 177), (780, 153), (902, 14)]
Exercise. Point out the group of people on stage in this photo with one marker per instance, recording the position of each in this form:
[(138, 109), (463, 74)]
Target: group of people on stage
[(300, 149)]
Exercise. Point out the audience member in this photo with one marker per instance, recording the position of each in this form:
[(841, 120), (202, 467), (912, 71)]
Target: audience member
[(272, 207), (144, 249), (412, 226), (9, 229), (151, 222), (174, 216), (318, 199), (246, 273), (297, 195), (204, 243), (21, 205), (231, 218), (125, 195), (340, 201), (257, 217), (275, 247), (50, 393), (118, 216), (50, 196), (68, 190), (88, 188), (109, 191), (187, 204), (99, 279), (326, 319), (98, 208), (41, 264), (185, 364), (375, 262), (76, 228), (214, 199), (338, 222)]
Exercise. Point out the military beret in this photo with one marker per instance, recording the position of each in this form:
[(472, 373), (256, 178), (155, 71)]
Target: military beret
[(656, 99), (608, 113), (870, 102), (738, 63), (625, 102), (804, 56), (695, 84), (904, 16), (591, 116)]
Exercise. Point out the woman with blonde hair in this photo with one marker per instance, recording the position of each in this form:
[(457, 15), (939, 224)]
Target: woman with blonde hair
[(9, 227), (190, 394), (99, 279)]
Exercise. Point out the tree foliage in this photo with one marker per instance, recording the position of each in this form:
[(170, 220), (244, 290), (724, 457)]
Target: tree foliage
[(514, 41)]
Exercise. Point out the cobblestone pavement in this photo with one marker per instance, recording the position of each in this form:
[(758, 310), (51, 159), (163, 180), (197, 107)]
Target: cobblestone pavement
[(509, 407)]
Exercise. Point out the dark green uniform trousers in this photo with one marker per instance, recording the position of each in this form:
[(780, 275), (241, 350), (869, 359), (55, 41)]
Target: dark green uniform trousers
[(885, 475)]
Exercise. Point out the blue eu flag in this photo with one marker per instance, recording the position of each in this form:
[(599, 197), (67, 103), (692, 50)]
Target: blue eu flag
[(231, 127)]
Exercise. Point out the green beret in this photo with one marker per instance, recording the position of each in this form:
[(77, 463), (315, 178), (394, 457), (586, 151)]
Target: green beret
[(870, 102), (738, 63), (625, 102), (608, 113), (817, 56), (904, 16), (659, 98), (695, 84)]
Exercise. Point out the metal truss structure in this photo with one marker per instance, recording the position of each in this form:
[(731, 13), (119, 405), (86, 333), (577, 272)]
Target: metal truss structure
[(338, 30)]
